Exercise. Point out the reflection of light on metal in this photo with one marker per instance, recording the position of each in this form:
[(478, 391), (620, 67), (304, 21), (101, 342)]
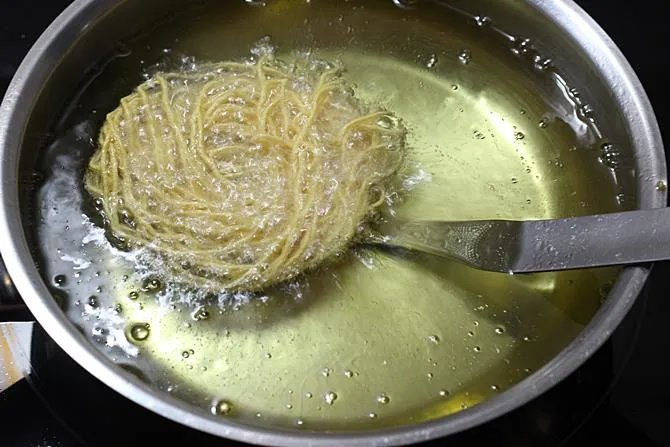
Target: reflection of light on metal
[(7, 281), (15, 339)]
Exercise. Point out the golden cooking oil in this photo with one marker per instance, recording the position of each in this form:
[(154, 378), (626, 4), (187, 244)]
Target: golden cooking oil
[(380, 338)]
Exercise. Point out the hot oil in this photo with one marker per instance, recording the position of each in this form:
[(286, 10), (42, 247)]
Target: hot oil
[(378, 339)]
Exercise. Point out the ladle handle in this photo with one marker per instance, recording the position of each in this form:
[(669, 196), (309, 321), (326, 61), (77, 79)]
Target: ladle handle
[(631, 237)]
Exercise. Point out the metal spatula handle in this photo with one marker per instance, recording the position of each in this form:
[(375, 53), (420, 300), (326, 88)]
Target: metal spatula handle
[(631, 237)]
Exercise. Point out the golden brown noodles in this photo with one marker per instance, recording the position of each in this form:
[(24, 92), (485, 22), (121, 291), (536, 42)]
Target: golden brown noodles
[(241, 175)]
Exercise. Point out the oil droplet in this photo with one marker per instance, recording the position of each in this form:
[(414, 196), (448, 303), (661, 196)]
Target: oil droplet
[(124, 278), (330, 397), (526, 339), (289, 406), (661, 186), (372, 415), (185, 354), (60, 280), (325, 372), (429, 376), (475, 323), (432, 61), (118, 308), (383, 399), (133, 295), (348, 374), (477, 349), (300, 422), (454, 87), (433, 339), (444, 393), (308, 395), (500, 330), (471, 334), (139, 331), (544, 123), (222, 408), (93, 301), (465, 56), (494, 388), (519, 136), (268, 356)]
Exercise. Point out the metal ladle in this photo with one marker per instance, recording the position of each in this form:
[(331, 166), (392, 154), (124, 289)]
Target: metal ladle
[(509, 246)]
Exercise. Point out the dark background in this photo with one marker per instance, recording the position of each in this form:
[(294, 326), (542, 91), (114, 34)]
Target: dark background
[(621, 395)]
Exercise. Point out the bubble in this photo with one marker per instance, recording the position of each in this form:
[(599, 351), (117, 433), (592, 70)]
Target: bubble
[(60, 280), (308, 395), (325, 372), (477, 135), (329, 397), (500, 330), (432, 61), (93, 301), (201, 314), (383, 399), (185, 354), (494, 388), (610, 156), (268, 356), (133, 295), (372, 415), (454, 87), (151, 284), (387, 122), (482, 21), (477, 349), (118, 308), (519, 136), (300, 422), (444, 393), (405, 4), (544, 123), (465, 56), (521, 46), (348, 374), (661, 186), (433, 339), (140, 331), (222, 408), (289, 406), (429, 376)]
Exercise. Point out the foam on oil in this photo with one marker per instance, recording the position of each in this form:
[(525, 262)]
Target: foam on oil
[(381, 338)]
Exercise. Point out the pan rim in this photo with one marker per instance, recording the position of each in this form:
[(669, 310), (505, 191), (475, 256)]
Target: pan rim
[(14, 113)]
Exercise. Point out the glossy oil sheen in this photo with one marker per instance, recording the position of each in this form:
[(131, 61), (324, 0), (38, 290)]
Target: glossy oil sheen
[(381, 338)]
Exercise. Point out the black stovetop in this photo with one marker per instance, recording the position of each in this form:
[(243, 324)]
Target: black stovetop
[(622, 394)]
